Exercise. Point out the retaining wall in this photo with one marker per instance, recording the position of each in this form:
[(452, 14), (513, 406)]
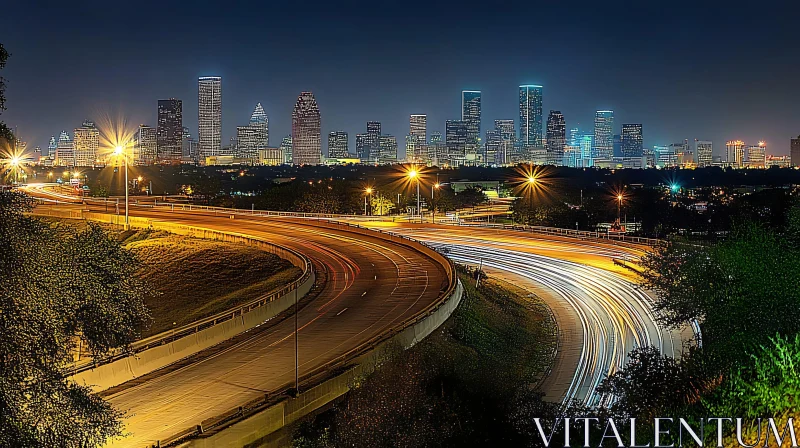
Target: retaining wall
[(266, 421)]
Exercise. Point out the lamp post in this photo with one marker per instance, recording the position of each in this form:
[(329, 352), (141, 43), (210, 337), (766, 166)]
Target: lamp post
[(433, 204), (119, 151), (531, 186), (368, 192), (414, 175), (619, 207)]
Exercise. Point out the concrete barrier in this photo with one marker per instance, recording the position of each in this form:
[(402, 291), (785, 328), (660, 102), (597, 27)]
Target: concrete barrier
[(270, 419), (156, 352)]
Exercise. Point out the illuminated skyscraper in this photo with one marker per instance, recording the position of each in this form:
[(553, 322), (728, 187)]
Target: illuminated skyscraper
[(145, 148), (387, 149), (456, 135), (471, 114), (338, 145), (493, 147), (260, 122), (794, 151), (734, 153), (556, 138), (209, 115), (530, 115), (703, 151), (603, 135), (418, 126), (170, 131), (436, 137), (253, 137), (306, 123), (86, 144), (65, 152), (286, 149), (373, 141), (632, 140), (757, 155)]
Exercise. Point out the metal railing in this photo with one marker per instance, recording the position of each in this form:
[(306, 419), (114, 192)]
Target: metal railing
[(345, 361), (165, 337)]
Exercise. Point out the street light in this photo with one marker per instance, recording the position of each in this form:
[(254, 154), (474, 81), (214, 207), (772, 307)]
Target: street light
[(120, 151), (15, 166), (414, 175), (619, 206), (532, 187), (368, 192), (436, 186)]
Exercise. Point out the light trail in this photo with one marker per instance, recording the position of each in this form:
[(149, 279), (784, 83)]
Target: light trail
[(614, 315)]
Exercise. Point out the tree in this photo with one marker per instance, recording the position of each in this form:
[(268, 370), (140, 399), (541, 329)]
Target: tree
[(59, 288), (742, 291), (5, 132)]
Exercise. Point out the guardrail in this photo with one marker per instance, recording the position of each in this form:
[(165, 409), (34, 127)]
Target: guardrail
[(166, 337), (582, 234), (349, 360)]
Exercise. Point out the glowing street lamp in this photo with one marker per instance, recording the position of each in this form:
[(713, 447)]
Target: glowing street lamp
[(413, 175), (619, 206), (14, 162), (368, 192)]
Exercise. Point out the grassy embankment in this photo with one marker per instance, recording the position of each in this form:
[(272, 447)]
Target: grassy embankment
[(467, 384), (193, 278)]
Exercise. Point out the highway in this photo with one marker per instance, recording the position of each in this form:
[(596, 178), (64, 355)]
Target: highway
[(600, 312), (371, 286)]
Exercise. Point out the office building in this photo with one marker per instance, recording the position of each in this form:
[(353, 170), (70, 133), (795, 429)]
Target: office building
[(603, 135), (794, 151), (436, 137), (170, 131), (286, 149), (556, 138), (270, 156), (306, 125), (209, 115), (253, 137), (530, 115), (456, 137), (632, 141), (86, 142), (64, 153), (145, 145), (418, 127), (362, 148), (703, 151), (757, 155), (471, 114), (493, 147), (734, 154), (338, 145)]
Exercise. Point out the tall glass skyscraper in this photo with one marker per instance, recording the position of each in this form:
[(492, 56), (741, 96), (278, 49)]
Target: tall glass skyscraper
[(306, 124), (209, 115), (703, 150), (418, 127), (530, 115), (632, 141), (556, 138), (603, 135), (169, 132), (471, 114), (338, 145)]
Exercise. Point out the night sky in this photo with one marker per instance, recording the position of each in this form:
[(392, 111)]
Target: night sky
[(683, 69)]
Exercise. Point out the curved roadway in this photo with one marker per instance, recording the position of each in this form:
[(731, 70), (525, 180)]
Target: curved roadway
[(371, 286), (602, 315)]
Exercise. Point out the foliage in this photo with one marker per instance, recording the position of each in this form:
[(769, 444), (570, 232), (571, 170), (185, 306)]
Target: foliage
[(381, 205), (470, 197), (768, 385), (742, 290), (58, 289)]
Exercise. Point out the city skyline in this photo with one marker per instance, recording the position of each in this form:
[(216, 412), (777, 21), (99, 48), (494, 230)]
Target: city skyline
[(575, 81)]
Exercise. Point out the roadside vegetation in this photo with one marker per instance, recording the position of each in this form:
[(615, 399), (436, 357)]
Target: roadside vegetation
[(744, 293), (464, 385), (192, 278)]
